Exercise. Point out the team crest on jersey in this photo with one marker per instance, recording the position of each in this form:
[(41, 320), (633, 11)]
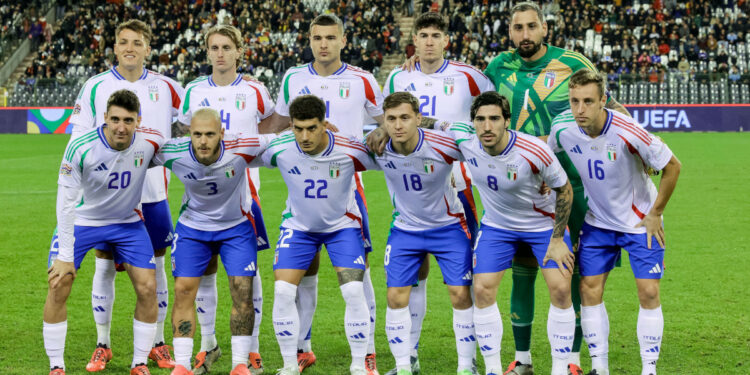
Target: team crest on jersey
[(448, 86), (344, 90), (229, 171), (334, 170), (512, 171), (239, 101), (138, 158), (429, 167), (153, 93), (549, 80), (77, 109), (611, 152)]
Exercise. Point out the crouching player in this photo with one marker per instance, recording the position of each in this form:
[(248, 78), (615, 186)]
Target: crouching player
[(509, 169), (612, 153), (108, 164), (318, 169), (215, 219)]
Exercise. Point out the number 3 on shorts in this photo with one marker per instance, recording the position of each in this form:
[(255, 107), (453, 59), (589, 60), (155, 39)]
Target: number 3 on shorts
[(283, 236)]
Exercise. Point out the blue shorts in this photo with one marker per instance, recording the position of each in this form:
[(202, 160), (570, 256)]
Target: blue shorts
[(128, 242), (158, 223), (296, 249), (470, 212), (359, 197), (192, 249), (406, 250), (599, 249), (259, 226), (496, 248)]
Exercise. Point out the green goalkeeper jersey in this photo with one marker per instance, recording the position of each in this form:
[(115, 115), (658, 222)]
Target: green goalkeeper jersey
[(537, 90)]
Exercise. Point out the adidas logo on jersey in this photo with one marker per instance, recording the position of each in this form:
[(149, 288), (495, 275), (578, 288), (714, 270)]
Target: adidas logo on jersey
[(204, 103), (473, 161), (304, 91), (576, 150), (467, 276), (190, 176), (411, 87), (250, 267), (294, 170), (655, 269), (359, 260), (101, 167), (390, 165)]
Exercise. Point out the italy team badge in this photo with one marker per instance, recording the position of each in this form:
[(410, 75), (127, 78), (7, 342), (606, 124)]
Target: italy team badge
[(611, 152), (239, 101), (448, 86), (153, 93), (334, 170), (138, 158), (512, 171), (429, 167), (549, 80), (229, 171), (344, 90)]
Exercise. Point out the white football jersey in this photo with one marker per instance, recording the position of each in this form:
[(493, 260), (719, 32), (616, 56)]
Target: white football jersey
[(241, 105), (613, 168), (111, 180), (509, 182), (215, 195), (160, 99), (350, 94), (320, 187), (420, 183)]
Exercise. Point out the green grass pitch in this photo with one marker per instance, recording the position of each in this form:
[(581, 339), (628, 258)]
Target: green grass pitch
[(704, 291)]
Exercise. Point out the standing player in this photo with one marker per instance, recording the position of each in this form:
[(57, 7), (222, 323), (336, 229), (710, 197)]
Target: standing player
[(318, 168), (350, 95), (509, 168), (242, 105), (105, 170), (534, 77), (612, 153), (159, 97), (427, 219), (215, 219), (445, 90)]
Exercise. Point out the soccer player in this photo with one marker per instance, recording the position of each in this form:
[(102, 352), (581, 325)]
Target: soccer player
[(350, 95), (427, 219), (159, 97), (108, 165), (509, 168), (612, 154), (242, 105), (445, 90), (215, 219), (534, 77), (318, 168)]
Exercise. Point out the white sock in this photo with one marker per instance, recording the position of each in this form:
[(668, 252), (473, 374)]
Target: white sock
[(523, 357), (258, 306), (286, 320), (162, 297), (143, 338), (397, 329), (370, 300), (307, 301), (102, 298), (54, 342), (595, 326), (240, 350), (205, 305), (575, 358), (488, 328), (356, 320), (561, 327), (183, 350), (463, 328), (650, 329), (417, 308)]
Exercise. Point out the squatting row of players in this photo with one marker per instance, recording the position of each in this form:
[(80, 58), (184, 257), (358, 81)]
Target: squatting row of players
[(531, 172)]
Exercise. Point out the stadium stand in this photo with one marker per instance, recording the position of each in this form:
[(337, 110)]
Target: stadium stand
[(652, 52)]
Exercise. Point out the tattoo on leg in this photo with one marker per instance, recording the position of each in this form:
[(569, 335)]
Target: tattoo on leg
[(185, 327), (242, 316), (350, 274)]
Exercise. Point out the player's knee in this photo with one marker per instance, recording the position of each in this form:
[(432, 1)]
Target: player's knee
[(559, 295), (460, 297), (145, 289), (397, 298), (591, 291), (485, 296), (648, 294), (60, 292)]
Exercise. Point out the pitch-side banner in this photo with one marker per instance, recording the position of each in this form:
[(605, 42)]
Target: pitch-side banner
[(692, 117)]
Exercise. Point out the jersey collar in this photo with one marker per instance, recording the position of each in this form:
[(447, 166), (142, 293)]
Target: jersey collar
[(103, 138), (221, 152), (312, 71), (234, 83), (442, 68), (606, 126), (120, 77), (506, 150), (326, 152), (420, 131)]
